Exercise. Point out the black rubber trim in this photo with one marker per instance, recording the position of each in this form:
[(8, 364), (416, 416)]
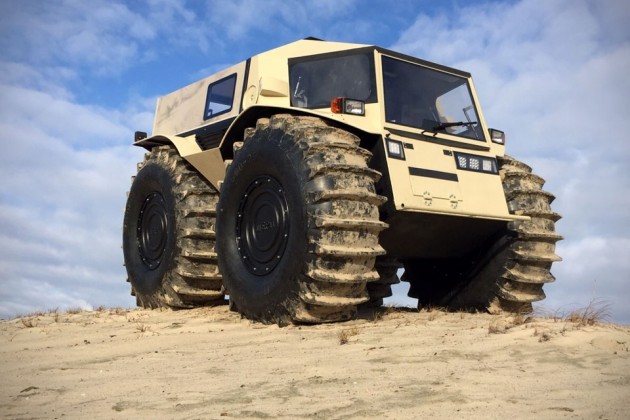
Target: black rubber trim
[(428, 173), (438, 140), (206, 130), (386, 52), (245, 77), (422, 62)]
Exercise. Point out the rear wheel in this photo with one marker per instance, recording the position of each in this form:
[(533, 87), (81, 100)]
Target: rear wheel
[(298, 222), (168, 234)]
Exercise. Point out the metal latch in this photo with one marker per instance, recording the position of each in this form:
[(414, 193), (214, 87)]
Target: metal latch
[(454, 201), (428, 200)]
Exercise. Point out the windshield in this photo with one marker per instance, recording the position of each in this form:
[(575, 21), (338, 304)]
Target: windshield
[(314, 83), (428, 99)]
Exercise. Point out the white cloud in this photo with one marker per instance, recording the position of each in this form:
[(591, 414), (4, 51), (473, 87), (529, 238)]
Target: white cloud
[(66, 168), (104, 37), (239, 19), (50, 79), (76, 33), (36, 296)]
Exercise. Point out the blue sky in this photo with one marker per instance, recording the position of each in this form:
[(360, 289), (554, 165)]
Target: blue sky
[(77, 78)]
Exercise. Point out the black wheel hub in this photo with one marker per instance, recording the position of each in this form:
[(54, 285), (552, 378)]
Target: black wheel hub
[(262, 225), (152, 230)]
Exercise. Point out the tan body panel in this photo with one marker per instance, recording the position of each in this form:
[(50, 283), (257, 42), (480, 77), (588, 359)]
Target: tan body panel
[(473, 194), (477, 195), (183, 110)]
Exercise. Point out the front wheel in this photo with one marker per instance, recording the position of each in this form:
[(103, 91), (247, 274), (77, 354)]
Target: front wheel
[(297, 225)]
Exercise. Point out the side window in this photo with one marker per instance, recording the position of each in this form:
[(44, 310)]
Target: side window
[(220, 97)]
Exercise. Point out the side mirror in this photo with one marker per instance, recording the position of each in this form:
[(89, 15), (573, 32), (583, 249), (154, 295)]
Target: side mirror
[(497, 136)]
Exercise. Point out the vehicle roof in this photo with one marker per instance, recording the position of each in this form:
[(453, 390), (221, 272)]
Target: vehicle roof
[(315, 46)]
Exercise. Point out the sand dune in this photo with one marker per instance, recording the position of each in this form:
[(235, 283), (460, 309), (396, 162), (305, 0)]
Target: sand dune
[(210, 363)]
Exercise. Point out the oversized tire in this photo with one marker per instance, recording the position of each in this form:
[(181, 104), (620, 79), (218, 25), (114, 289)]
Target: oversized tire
[(510, 273), (168, 234), (297, 226)]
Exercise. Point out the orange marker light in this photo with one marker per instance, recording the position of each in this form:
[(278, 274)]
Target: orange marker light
[(336, 105)]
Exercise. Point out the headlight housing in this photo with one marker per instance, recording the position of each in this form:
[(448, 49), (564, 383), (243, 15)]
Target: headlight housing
[(497, 136), (475, 163), (347, 106)]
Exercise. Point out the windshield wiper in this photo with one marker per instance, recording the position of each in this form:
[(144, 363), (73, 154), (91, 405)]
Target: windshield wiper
[(454, 124)]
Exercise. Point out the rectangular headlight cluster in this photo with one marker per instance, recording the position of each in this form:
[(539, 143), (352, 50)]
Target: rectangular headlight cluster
[(476, 163), (395, 149)]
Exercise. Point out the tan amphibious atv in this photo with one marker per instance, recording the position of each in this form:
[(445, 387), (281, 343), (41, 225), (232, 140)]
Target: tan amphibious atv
[(300, 181)]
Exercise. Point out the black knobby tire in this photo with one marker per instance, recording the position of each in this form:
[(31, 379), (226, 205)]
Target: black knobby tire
[(298, 224), (511, 273), (168, 234)]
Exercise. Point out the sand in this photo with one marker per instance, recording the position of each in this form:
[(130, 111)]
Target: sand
[(209, 363)]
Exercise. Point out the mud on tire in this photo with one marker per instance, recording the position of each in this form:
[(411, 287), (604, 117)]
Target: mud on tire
[(168, 239), (521, 261), (298, 222)]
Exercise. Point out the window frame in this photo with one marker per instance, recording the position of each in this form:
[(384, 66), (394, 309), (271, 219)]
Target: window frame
[(367, 51), (439, 69), (207, 117)]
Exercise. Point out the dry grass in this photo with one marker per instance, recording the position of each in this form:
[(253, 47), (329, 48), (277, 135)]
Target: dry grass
[(382, 312), (345, 334), (29, 322), (74, 311), (434, 311), (597, 310), (542, 336)]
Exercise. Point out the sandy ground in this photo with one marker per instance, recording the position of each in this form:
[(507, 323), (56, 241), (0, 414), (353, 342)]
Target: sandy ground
[(210, 363)]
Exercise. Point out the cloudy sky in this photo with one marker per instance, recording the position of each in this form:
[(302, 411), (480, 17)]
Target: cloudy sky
[(77, 78)]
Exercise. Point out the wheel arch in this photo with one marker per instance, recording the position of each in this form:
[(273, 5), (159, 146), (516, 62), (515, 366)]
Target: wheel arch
[(248, 118), (183, 145)]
